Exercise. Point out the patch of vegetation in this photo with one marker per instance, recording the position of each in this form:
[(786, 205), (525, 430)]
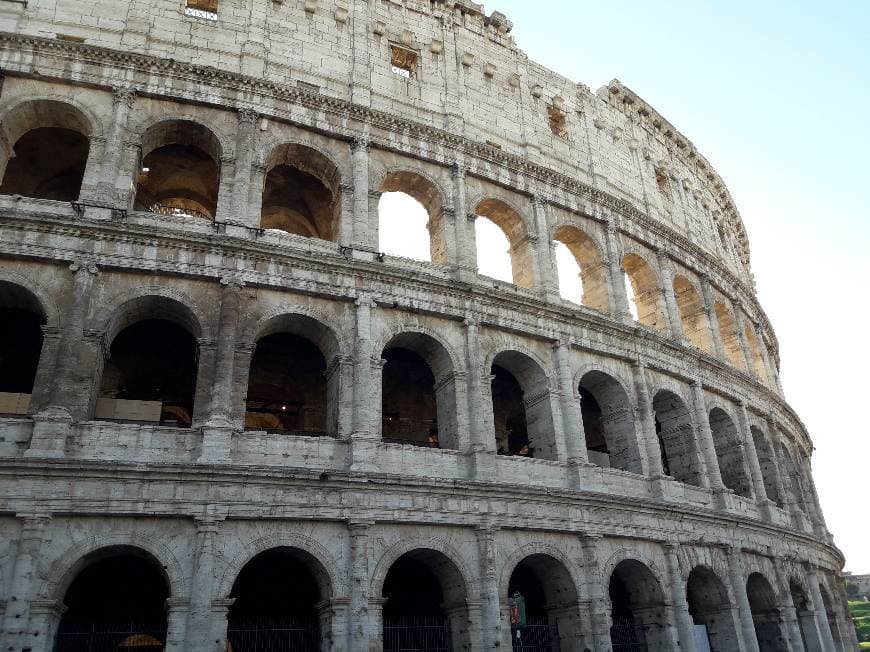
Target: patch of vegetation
[(860, 612)]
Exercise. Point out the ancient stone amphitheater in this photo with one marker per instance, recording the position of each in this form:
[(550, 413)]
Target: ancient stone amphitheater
[(230, 422)]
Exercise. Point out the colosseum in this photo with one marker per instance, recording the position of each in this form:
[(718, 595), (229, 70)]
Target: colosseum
[(230, 421)]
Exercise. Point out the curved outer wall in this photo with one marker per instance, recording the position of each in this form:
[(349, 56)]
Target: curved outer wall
[(486, 131)]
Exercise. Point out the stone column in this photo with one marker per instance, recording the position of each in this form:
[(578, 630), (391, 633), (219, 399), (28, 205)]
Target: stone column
[(177, 612), (746, 632), (774, 459), (598, 601), (364, 438), (362, 237), (346, 217), (744, 343), (15, 633), (491, 626), (45, 617), (751, 455), (44, 380), (705, 436), (204, 633), (667, 273), (466, 241), (547, 275), (361, 628), (109, 190), (616, 275), (786, 608), (218, 429), (480, 410), (684, 623), (236, 178), (822, 623), (712, 318), (646, 422), (575, 437), (51, 425)]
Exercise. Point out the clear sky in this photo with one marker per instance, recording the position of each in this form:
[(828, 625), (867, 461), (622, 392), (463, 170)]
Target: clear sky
[(776, 95)]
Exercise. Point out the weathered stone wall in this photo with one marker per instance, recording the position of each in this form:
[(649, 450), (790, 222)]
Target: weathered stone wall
[(469, 134)]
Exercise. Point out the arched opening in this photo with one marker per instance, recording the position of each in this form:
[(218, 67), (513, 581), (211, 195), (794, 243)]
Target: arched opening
[(680, 455), (49, 150), (729, 452), (48, 163), (542, 597), (424, 604), (299, 193), (21, 321), (767, 461), (693, 314), (711, 610), (730, 336), (279, 604), (522, 413), (645, 292), (755, 352), (608, 421), (411, 218), (287, 387), (117, 601), (833, 619), (793, 482), (150, 375), (180, 171), (491, 259), (810, 635), (765, 615), (294, 382), (577, 253), (639, 619), (418, 393)]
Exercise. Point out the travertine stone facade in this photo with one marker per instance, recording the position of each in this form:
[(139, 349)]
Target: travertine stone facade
[(661, 451)]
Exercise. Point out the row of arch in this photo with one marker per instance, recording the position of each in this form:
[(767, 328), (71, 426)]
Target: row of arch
[(299, 190), (294, 384), (284, 597)]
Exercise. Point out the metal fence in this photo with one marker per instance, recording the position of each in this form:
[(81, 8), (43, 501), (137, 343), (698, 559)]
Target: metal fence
[(99, 637), (272, 636), (422, 634), (537, 635), (626, 635)]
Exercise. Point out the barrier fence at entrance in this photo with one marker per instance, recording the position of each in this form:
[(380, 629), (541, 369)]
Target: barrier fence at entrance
[(536, 636), (99, 637), (421, 634), (274, 636), (626, 635)]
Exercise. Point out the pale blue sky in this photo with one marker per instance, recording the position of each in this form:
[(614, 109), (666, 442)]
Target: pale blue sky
[(776, 95)]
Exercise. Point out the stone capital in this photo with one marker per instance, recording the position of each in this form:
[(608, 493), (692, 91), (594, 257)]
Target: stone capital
[(247, 116), (125, 95), (84, 266), (360, 144)]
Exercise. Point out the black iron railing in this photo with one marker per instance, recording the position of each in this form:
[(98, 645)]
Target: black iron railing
[(536, 636), (422, 634), (626, 635), (274, 636), (100, 637)]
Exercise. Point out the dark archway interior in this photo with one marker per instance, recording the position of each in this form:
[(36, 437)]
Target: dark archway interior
[(676, 438), (626, 632), (20, 347), (729, 451), (709, 606), (590, 410), (276, 599), (49, 163), (410, 409), (538, 634), (765, 615), (287, 387), (509, 414), (297, 202), (178, 179), (637, 603), (154, 360), (115, 603), (414, 617)]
